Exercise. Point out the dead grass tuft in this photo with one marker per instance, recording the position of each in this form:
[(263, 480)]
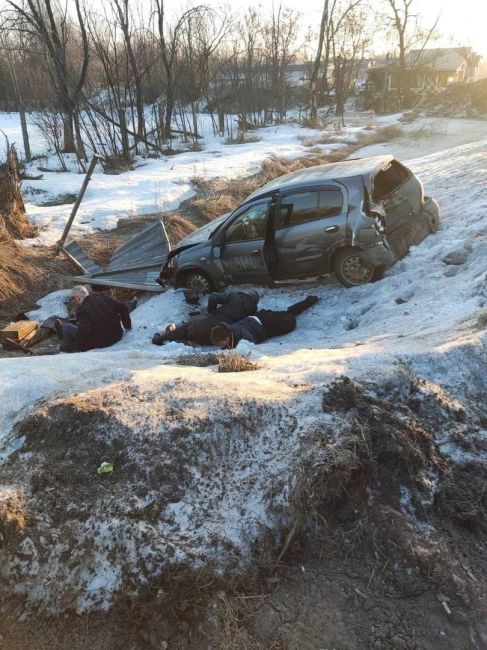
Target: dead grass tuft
[(242, 138), (13, 515), (26, 274), (233, 362), (198, 359), (386, 133)]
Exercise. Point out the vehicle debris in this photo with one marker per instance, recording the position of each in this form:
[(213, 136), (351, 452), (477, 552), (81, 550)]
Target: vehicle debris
[(134, 265)]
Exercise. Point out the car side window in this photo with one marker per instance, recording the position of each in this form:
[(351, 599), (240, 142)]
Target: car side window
[(308, 206), (331, 203), (248, 225), (298, 208)]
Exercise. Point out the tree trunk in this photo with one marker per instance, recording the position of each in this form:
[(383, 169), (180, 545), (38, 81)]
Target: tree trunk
[(195, 119), (124, 135), (169, 112), (69, 143), (313, 99), (79, 140), (25, 133)]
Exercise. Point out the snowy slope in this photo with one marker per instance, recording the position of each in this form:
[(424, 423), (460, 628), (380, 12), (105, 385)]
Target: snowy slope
[(348, 330), (217, 453)]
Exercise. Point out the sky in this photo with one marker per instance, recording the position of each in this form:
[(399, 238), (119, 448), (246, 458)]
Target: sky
[(462, 22)]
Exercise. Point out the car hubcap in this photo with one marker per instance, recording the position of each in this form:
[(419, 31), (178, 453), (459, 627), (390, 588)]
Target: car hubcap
[(198, 283), (355, 271)]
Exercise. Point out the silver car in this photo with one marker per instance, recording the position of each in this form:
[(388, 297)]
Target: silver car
[(353, 218)]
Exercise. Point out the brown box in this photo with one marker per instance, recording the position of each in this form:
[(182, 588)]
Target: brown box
[(19, 331)]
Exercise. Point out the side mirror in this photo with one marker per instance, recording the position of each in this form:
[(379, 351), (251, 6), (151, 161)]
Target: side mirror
[(216, 252)]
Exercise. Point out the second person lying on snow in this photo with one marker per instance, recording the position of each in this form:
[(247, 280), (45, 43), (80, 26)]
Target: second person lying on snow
[(233, 316), (225, 307)]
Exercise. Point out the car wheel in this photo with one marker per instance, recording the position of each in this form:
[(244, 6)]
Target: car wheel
[(351, 271), (198, 282)]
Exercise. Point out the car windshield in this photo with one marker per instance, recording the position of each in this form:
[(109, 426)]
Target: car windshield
[(205, 232)]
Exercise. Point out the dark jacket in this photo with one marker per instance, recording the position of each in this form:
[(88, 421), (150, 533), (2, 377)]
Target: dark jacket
[(226, 307), (99, 325), (270, 323)]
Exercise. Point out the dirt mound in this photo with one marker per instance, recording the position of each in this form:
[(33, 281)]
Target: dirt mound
[(213, 506)]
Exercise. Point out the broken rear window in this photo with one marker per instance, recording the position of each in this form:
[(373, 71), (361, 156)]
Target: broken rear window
[(389, 179)]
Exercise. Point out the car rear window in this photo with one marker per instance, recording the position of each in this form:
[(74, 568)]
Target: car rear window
[(388, 180), (309, 206)]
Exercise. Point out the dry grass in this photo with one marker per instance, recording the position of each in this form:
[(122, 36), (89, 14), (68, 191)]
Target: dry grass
[(243, 138), (198, 359), (13, 515), (26, 274), (101, 245), (233, 362), (217, 196), (386, 134)]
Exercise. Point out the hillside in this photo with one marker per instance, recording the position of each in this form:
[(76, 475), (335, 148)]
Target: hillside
[(356, 451)]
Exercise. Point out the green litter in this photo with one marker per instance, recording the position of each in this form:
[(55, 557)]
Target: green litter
[(105, 468)]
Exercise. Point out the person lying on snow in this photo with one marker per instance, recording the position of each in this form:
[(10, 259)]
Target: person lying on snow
[(264, 325), (228, 307), (99, 321)]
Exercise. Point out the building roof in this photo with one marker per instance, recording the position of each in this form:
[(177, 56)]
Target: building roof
[(442, 59)]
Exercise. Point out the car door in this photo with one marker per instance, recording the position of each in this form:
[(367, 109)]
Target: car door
[(308, 223), (242, 244)]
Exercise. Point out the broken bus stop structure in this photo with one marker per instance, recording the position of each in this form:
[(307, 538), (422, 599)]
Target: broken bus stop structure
[(134, 265)]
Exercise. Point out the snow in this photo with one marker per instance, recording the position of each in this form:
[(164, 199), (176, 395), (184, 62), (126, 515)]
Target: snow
[(54, 304), (437, 300), (424, 316), (426, 135)]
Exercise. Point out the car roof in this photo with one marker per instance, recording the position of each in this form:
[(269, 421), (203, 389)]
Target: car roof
[(321, 173)]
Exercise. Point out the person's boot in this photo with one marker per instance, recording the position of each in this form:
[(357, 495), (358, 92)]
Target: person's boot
[(58, 326), (159, 339), (311, 300)]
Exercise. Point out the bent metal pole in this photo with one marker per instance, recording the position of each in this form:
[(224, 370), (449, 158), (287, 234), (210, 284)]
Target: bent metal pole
[(94, 160)]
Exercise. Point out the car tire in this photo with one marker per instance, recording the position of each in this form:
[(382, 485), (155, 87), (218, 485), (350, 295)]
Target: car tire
[(198, 281), (351, 270)]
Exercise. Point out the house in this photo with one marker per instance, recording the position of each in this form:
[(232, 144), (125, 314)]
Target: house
[(430, 69)]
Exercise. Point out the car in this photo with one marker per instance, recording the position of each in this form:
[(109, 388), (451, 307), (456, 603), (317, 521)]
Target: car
[(354, 218)]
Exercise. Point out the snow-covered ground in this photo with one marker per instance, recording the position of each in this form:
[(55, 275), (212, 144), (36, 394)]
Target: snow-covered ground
[(427, 315), (348, 331)]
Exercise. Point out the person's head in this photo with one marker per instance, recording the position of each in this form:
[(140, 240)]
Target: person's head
[(79, 293), (254, 293), (221, 335)]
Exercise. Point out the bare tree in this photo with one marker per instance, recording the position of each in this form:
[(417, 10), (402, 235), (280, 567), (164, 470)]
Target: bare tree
[(169, 40), (332, 17), (8, 49), (52, 27), (349, 45), (406, 26), (281, 50)]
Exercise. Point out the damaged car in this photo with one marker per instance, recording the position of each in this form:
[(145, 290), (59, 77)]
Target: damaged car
[(352, 218)]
